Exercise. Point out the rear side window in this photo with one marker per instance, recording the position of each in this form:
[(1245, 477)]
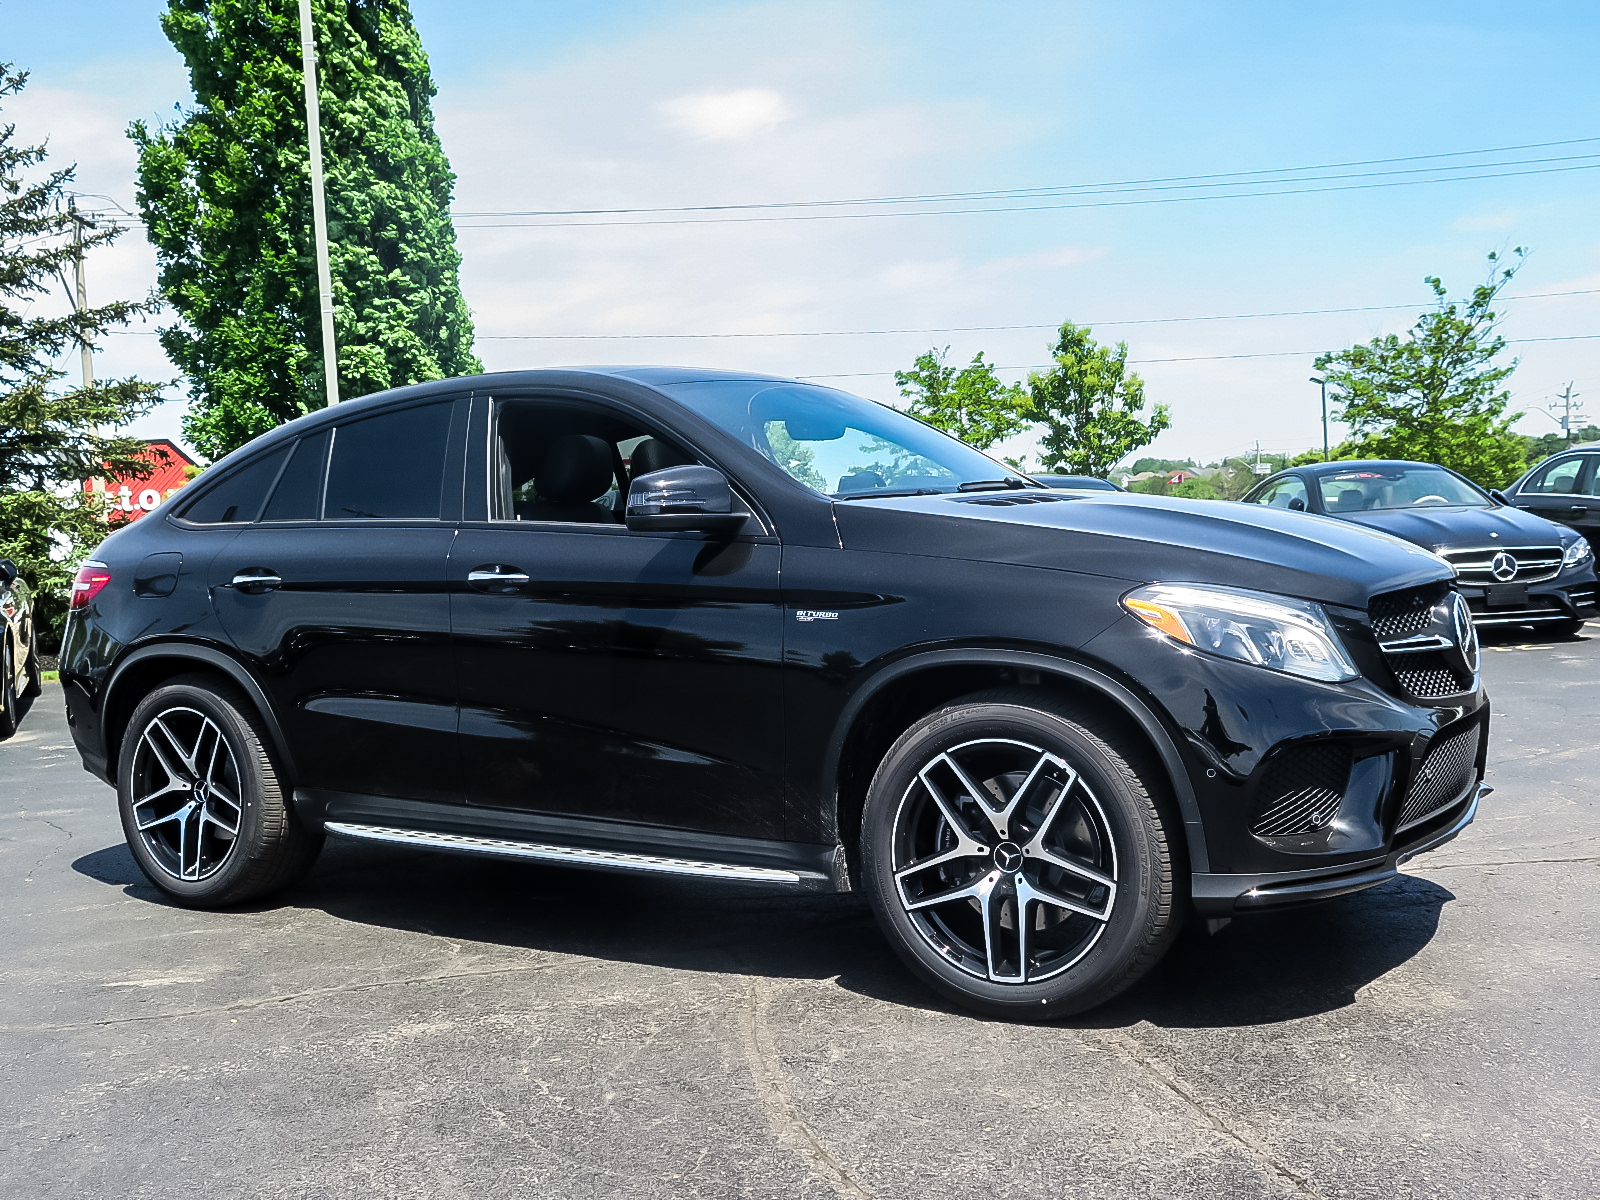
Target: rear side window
[(389, 466), (238, 498), (298, 496), (1559, 478)]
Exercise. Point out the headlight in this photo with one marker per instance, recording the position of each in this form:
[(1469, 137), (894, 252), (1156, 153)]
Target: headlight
[(1579, 552), (1266, 631)]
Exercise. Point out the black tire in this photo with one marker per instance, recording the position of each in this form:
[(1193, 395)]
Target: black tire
[(35, 674), (1090, 801), (9, 716), (1568, 629), (177, 803)]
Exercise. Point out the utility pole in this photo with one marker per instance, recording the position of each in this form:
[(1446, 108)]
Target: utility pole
[(319, 212), (1567, 398), (1323, 384), (80, 289)]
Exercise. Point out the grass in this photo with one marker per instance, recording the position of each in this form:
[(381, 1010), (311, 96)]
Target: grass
[(50, 676)]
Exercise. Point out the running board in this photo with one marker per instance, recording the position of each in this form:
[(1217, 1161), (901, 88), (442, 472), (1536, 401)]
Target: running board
[(572, 856)]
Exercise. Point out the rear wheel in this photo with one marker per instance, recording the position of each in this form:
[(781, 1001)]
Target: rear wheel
[(1016, 857), (203, 803), (35, 675), (8, 691)]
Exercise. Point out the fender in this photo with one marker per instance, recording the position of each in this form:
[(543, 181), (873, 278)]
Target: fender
[(1125, 699), (210, 657)]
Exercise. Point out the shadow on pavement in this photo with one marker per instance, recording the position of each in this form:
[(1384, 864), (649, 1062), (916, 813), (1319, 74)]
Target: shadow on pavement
[(1259, 970)]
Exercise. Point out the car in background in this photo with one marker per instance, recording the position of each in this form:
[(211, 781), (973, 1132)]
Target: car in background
[(1565, 487), (1513, 567), (19, 658), (1077, 483)]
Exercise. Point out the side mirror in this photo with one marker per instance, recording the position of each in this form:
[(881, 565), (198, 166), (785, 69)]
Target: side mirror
[(8, 572), (1498, 496), (1297, 505), (684, 499)]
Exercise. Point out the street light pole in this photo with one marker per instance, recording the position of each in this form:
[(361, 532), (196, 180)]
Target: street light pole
[(319, 212), (1323, 384)]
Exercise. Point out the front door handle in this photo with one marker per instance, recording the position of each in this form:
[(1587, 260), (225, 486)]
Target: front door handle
[(1578, 510), (497, 578), (253, 581)]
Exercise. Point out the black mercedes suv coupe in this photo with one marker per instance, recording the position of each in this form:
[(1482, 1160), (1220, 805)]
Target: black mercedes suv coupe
[(745, 628)]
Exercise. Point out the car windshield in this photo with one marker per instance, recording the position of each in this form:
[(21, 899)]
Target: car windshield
[(841, 445), (1368, 489)]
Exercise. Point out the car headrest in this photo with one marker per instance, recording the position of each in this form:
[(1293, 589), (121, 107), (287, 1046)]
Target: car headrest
[(861, 481), (1350, 500), (653, 455), (574, 468)]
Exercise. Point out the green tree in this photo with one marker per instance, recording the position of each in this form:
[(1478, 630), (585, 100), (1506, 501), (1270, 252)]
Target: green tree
[(49, 439), (970, 403), (1197, 489), (225, 193), (1141, 465), (1435, 394), (1089, 403)]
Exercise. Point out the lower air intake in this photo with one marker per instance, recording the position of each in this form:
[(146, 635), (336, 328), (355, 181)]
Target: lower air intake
[(1446, 772), (1301, 790)]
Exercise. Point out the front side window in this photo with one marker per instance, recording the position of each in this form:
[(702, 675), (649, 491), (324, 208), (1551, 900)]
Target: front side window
[(236, 499), (389, 466), (841, 445), (1560, 478), (1372, 488), (1284, 493)]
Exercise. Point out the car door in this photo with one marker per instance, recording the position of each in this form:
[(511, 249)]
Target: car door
[(1288, 491), (607, 674), (1564, 489), (337, 594)]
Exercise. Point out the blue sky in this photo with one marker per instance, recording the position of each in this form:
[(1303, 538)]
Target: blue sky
[(618, 105)]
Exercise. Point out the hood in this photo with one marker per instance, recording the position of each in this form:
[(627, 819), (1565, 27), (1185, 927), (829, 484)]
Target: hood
[(1464, 528), (1146, 539)]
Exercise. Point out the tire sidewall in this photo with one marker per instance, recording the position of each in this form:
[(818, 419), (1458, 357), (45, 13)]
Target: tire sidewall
[(245, 745), (8, 691), (1133, 921)]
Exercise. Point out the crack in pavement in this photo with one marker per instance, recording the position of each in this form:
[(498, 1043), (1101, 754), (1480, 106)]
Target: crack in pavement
[(1514, 862), (783, 1116), (268, 1001), (1130, 1050), (23, 813)]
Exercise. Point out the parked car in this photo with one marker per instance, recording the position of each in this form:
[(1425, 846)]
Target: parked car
[(1564, 488), (1077, 483), (1513, 567), (738, 627), (19, 659)]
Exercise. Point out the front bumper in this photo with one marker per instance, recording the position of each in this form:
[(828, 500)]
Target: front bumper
[(1227, 895), (1543, 603)]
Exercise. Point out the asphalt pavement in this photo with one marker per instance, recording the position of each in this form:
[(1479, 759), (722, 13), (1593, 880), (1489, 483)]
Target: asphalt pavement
[(411, 1023)]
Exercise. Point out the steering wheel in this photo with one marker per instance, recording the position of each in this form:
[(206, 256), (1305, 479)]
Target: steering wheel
[(1431, 499)]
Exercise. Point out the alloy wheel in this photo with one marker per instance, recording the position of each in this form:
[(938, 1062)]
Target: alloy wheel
[(1004, 861), (186, 785)]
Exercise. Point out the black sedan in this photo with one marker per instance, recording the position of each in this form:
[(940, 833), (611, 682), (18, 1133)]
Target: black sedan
[(1565, 487), (1513, 567), (19, 663)]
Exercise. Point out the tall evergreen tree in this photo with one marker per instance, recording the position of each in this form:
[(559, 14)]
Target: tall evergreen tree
[(225, 192), (49, 435)]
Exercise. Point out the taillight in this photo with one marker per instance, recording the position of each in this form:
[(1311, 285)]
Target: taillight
[(88, 583)]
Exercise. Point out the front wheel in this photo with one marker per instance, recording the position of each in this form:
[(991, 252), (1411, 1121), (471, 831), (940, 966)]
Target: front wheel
[(8, 692), (1017, 858), (203, 803)]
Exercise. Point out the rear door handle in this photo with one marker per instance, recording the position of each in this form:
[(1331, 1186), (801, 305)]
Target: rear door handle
[(253, 581), (497, 578)]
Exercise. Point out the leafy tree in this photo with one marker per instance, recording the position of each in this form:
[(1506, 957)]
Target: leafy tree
[(1435, 394), (225, 193), (1197, 489), (1167, 465), (49, 439), (970, 403), (1088, 403), (1540, 448)]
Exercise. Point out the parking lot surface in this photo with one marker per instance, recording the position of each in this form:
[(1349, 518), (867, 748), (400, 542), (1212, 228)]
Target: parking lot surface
[(419, 1024)]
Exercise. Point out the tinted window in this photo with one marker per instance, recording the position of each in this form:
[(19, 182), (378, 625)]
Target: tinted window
[(238, 497), (1284, 493), (1369, 488), (1557, 478), (389, 466), (298, 495)]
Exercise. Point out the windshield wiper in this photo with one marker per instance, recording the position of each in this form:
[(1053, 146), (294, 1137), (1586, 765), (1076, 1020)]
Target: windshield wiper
[(881, 492), (993, 485)]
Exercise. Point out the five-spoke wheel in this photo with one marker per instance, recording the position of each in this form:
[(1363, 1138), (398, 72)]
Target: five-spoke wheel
[(186, 804), (1016, 856)]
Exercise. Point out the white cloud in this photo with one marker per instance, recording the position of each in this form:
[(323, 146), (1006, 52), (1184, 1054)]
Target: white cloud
[(727, 116)]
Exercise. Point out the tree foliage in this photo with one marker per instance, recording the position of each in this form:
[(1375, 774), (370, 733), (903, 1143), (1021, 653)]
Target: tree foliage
[(1088, 403), (49, 439), (970, 402), (225, 193), (1435, 395)]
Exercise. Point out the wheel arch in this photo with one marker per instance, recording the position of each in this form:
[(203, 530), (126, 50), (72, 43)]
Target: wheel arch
[(903, 691), (147, 667)]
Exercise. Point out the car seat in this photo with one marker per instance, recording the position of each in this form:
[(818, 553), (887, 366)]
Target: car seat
[(574, 471)]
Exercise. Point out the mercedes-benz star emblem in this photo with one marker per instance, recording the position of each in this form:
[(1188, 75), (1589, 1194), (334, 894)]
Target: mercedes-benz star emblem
[(1008, 856), (1503, 566), (1466, 633)]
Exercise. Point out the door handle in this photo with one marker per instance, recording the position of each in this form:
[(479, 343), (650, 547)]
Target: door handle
[(253, 581), (1578, 510), (497, 578)]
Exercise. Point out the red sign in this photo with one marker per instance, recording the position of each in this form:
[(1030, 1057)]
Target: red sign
[(130, 499)]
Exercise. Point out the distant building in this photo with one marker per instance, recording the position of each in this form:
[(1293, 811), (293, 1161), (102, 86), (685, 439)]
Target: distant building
[(129, 499)]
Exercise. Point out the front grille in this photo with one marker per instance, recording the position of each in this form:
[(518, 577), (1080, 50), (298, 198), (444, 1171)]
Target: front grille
[(1429, 675), (1532, 563), (1446, 772), (1301, 789), (1401, 614)]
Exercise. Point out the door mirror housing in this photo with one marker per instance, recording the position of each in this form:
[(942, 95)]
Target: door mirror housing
[(1297, 504), (8, 572), (683, 499), (1498, 496)]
